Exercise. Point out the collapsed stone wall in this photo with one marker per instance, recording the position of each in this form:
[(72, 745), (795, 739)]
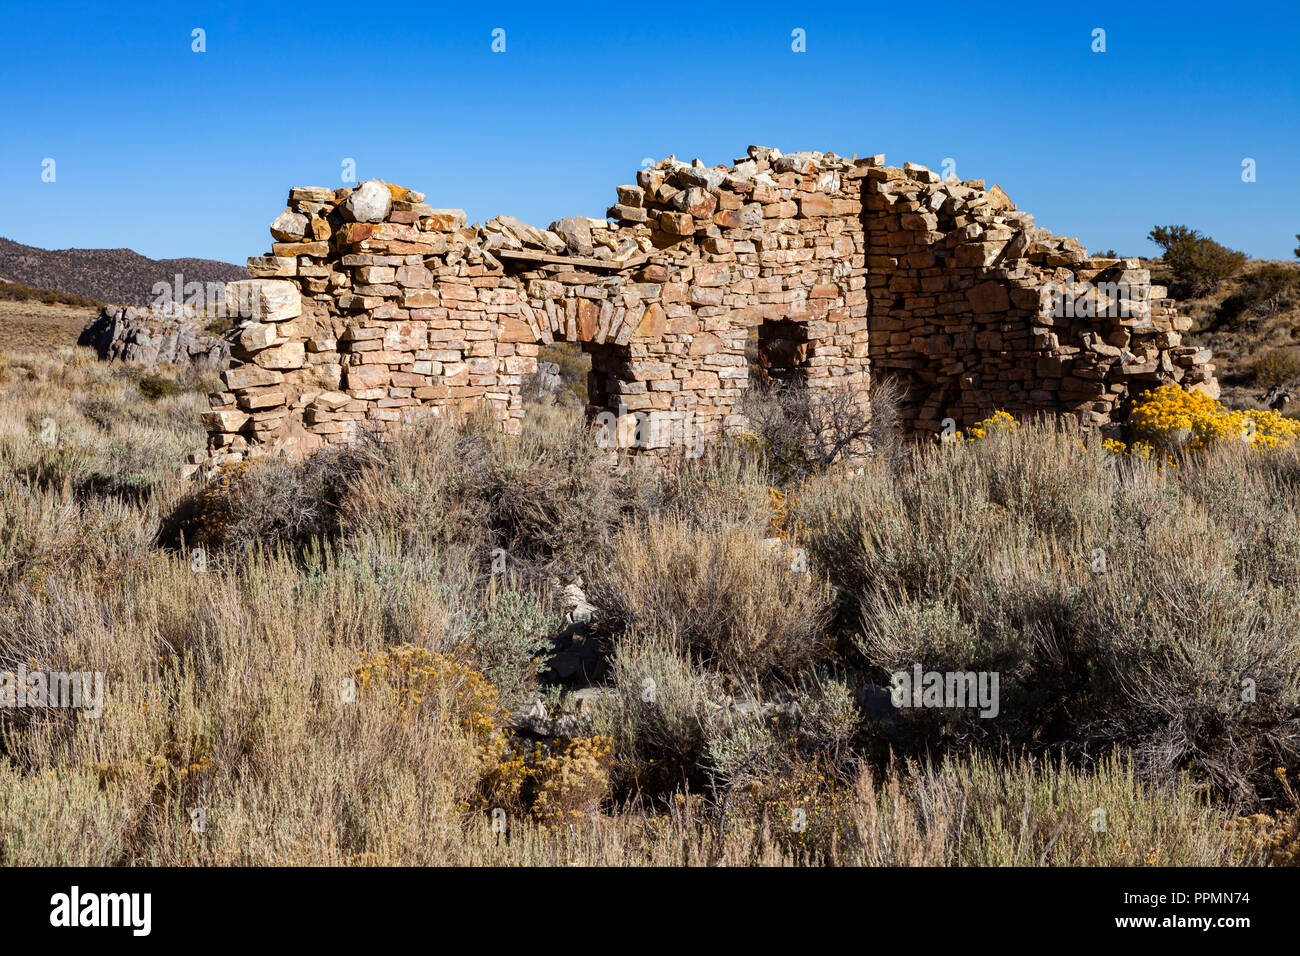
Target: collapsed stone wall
[(974, 308), (374, 308)]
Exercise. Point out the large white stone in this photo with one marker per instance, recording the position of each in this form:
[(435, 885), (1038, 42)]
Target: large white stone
[(289, 226), (257, 336), (264, 300), (369, 202)]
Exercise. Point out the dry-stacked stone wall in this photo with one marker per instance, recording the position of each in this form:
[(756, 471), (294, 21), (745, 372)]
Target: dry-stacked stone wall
[(374, 308), (974, 308)]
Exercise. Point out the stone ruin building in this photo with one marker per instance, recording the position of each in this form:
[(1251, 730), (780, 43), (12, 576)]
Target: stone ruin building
[(374, 308)]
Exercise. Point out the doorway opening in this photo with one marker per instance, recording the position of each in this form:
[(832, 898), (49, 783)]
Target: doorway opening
[(780, 354)]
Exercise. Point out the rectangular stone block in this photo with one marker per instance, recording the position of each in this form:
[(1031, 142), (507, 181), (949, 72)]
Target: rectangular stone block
[(286, 356), (224, 420), (250, 376), (263, 300)]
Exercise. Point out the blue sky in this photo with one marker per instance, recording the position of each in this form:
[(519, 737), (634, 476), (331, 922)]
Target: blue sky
[(176, 153)]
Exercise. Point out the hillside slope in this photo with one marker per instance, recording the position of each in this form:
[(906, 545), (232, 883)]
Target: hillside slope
[(1252, 324), (108, 275)]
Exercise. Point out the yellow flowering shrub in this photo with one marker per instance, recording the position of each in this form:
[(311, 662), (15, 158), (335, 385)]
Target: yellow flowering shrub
[(1139, 449), (782, 504), (997, 423), (217, 504), (175, 773), (1275, 838), (779, 502), (417, 679), (411, 676), (1171, 418), (806, 808), (557, 782), (570, 778)]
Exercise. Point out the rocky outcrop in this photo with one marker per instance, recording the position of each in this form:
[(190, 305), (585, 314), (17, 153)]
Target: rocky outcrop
[(544, 385), (132, 334)]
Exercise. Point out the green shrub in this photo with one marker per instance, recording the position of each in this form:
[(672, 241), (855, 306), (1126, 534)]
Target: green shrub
[(154, 387), (17, 292), (1198, 672), (727, 486), (547, 499), (266, 501), (220, 325), (1118, 608), (1275, 367), (663, 717), (739, 608), (553, 502), (509, 635), (1199, 264), (1265, 293)]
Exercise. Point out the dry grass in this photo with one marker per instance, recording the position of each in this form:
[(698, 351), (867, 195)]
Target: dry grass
[(737, 607), (32, 324), (229, 681)]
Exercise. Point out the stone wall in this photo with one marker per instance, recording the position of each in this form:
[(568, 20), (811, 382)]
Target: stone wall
[(375, 308), (974, 308)]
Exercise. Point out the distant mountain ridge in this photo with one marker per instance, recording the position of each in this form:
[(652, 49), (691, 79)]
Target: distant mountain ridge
[(110, 275)]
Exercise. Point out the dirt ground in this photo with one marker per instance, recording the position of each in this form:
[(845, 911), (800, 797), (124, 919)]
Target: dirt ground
[(35, 326)]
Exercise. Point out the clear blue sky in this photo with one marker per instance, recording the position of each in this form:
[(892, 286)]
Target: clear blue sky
[(177, 153)]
